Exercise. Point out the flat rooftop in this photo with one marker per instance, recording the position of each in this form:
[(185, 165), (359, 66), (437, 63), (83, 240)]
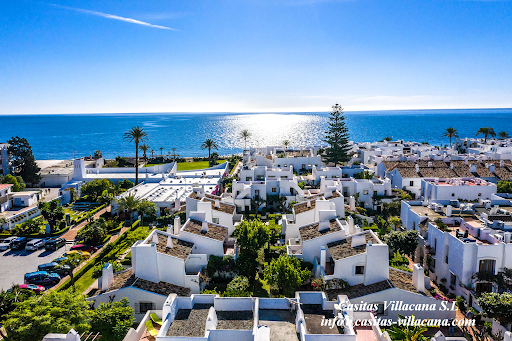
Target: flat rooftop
[(190, 322), (314, 315), (240, 319)]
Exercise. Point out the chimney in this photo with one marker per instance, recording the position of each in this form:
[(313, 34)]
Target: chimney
[(323, 225), (466, 162), (472, 168), (352, 202), (177, 204), (107, 276), (436, 181), (492, 168), (351, 226), (177, 226), (323, 257), (502, 163), (418, 278), (451, 165), (204, 227), (358, 240), (308, 204), (449, 210), (169, 242), (417, 168), (507, 237), (328, 194), (155, 238), (429, 164), (217, 204), (487, 165)]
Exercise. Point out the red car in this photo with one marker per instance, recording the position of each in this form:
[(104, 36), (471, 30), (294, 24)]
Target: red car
[(86, 248), (34, 287)]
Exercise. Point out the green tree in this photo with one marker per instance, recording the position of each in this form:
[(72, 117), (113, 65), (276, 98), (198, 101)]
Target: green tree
[(505, 187), (238, 287), (23, 162), (95, 188), (72, 260), (503, 135), (152, 153), (286, 144), (56, 312), (450, 132), (161, 151), (9, 299), (486, 131), (286, 273), (52, 212), (144, 149), (251, 236), (337, 137), (30, 226), (94, 233), (403, 242), (498, 306), (126, 184), (209, 144), (98, 154), (245, 134), (407, 333), (112, 320), (16, 181), (136, 135), (129, 203), (146, 208)]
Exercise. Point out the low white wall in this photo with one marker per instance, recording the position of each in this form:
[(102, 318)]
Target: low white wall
[(223, 335), (274, 303), (233, 303), (135, 335)]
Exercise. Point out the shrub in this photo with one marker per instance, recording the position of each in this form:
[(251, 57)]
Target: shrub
[(318, 284), (336, 284), (461, 303)]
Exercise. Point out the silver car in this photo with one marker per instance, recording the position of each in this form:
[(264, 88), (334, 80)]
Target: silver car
[(34, 244), (6, 243)]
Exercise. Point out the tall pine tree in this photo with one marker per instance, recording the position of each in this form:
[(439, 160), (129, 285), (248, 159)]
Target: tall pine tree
[(23, 162), (337, 137)]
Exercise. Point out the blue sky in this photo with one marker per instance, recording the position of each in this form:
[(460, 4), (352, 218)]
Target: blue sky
[(253, 55)]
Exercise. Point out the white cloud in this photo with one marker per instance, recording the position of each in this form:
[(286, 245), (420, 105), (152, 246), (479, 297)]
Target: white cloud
[(115, 17)]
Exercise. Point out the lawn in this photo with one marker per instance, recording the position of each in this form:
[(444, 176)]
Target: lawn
[(185, 166)]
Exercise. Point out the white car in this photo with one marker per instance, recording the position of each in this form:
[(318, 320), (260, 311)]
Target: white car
[(34, 244), (6, 243)]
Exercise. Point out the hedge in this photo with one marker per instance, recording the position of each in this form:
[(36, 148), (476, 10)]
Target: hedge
[(97, 258)]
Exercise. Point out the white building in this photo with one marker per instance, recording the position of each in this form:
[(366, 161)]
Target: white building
[(440, 189)]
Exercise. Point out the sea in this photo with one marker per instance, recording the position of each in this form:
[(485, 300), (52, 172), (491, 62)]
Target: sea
[(66, 136)]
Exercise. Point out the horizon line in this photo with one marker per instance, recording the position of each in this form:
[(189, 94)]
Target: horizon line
[(244, 112)]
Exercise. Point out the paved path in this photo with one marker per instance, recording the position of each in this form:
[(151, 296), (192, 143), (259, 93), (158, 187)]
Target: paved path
[(71, 234)]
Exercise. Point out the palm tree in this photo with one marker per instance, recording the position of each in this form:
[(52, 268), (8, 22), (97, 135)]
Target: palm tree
[(72, 260), (137, 135), (152, 153), (503, 135), (209, 144), (174, 153), (129, 203), (407, 333), (161, 151), (144, 148), (486, 131), (286, 143), (450, 132), (245, 134)]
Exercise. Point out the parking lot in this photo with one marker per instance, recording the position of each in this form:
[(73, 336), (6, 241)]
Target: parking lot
[(15, 264)]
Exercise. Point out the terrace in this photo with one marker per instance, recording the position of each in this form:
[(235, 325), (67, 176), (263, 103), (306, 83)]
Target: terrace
[(239, 320), (314, 315), (190, 322)]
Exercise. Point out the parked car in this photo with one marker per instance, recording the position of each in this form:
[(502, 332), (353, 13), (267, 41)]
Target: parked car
[(61, 270), (34, 244), (60, 259), (54, 244), (34, 287), (42, 278), (83, 247), (6, 243), (19, 243)]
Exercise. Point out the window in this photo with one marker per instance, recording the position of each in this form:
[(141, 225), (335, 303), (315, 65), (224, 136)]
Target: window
[(479, 194), (274, 189), (487, 266), (380, 309), (359, 269), (248, 178), (483, 287), (446, 254), (143, 307), (215, 220), (453, 194), (411, 183), (365, 192), (453, 280), (375, 193)]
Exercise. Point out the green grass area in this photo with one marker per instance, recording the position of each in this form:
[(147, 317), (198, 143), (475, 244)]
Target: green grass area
[(85, 281), (184, 166)]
